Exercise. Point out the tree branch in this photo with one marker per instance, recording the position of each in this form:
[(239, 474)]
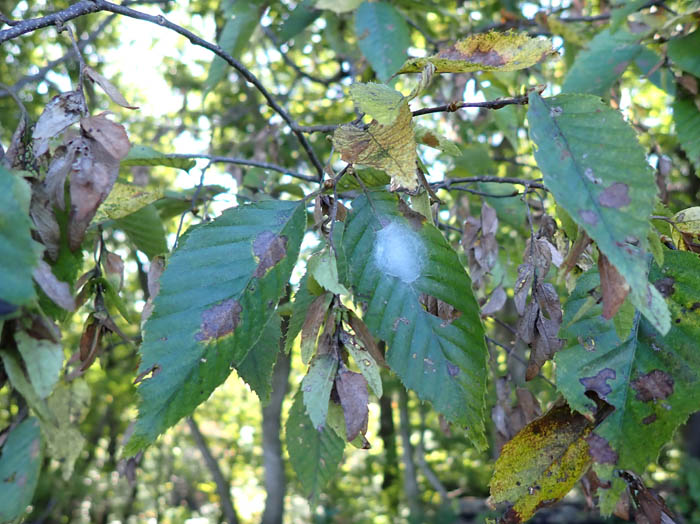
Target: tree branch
[(84, 7), (245, 162), (222, 487), (488, 104), (447, 183)]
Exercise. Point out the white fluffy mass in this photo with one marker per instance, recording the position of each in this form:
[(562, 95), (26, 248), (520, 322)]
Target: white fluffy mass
[(399, 252)]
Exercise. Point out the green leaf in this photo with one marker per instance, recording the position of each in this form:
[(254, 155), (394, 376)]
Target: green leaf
[(379, 101), (257, 366), (494, 51), (19, 251), (662, 77), (597, 171), (652, 381), (242, 19), (367, 365), (20, 462), (125, 199), (147, 156), (43, 360), (686, 117), (216, 296), (145, 229), (299, 19), (432, 139), (684, 52), (622, 10), (302, 300), (324, 269), (371, 178), (597, 68), (394, 255), (383, 37), (316, 387), (314, 455)]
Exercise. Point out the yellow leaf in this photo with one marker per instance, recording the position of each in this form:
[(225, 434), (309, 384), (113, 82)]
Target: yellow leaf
[(485, 52), (390, 148), (686, 230), (125, 199), (542, 462)]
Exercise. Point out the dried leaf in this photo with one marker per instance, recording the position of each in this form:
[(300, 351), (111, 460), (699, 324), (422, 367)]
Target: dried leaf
[(61, 111), (154, 272), (352, 391), (390, 148), (108, 87), (110, 135), (485, 52), (314, 318), (367, 339), (114, 268), (613, 286), (526, 274), (495, 303), (45, 224), (56, 290)]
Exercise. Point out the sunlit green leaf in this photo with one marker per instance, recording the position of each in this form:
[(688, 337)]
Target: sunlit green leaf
[(147, 156), (314, 455), (257, 366), (686, 116), (394, 256), (43, 360), (684, 52), (383, 37)]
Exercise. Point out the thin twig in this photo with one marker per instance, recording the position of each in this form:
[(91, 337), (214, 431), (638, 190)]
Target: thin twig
[(195, 195), (447, 183), (488, 104), (517, 357), (245, 162)]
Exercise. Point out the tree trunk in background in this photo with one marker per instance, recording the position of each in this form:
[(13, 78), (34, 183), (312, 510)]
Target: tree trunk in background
[(275, 482), (387, 432), (410, 481), (222, 486)]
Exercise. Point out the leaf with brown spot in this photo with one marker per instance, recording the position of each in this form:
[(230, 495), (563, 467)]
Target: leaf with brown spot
[(613, 287), (485, 52), (542, 462), (390, 148), (63, 110), (352, 391), (606, 185), (367, 339), (686, 229), (652, 381), (201, 327)]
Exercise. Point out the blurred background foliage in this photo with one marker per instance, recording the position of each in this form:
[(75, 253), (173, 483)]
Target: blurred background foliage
[(307, 57)]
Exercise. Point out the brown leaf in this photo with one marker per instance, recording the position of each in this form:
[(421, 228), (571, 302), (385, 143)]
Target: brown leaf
[(15, 150), (56, 290), (41, 211), (613, 286), (61, 111), (114, 268), (108, 87), (496, 302), (312, 323), (353, 394), (489, 220), (367, 339), (110, 135), (651, 507), (93, 173), (526, 274), (59, 168), (526, 323), (154, 272), (90, 342)]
